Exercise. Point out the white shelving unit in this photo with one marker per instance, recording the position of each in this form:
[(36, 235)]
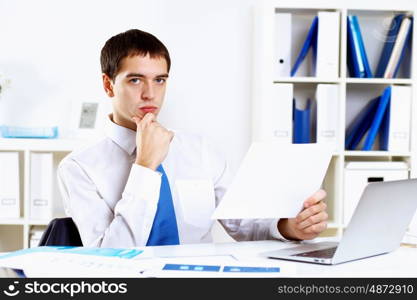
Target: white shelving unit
[(371, 14), (15, 233)]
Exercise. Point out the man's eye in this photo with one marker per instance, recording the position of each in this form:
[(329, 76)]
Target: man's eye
[(134, 80), (160, 80)]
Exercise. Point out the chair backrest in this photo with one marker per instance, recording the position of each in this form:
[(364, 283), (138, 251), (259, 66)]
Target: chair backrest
[(61, 232)]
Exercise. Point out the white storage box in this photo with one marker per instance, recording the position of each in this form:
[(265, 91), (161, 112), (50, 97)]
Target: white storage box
[(359, 174), (9, 185)]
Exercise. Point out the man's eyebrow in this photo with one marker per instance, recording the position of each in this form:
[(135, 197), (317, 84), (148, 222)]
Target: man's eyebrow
[(134, 75), (162, 76), (165, 75)]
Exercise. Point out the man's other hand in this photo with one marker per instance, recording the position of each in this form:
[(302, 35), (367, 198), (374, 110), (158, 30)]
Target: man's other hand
[(309, 223)]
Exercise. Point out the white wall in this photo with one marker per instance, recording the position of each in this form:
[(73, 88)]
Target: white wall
[(50, 50)]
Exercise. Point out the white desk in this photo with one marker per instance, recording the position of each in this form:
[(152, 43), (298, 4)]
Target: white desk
[(400, 263)]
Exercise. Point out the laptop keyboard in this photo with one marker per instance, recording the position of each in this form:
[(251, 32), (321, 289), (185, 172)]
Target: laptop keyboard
[(323, 253)]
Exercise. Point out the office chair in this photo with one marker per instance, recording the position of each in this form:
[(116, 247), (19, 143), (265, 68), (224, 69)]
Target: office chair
[(61, 232)]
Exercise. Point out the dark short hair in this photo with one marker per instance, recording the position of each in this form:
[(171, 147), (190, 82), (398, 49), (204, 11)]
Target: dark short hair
[(130, 43)]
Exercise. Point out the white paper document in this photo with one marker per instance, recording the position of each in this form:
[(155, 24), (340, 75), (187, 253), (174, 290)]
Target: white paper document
[(274, 180), (62, 261), (218, 266), (54, 262)]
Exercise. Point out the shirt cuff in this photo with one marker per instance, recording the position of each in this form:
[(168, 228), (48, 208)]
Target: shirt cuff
[(273, 230), (143, 182)]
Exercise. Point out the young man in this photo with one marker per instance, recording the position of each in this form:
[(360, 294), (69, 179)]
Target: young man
[(124, 190)]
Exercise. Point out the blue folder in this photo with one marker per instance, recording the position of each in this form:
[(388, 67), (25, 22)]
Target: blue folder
[(361, 124), (389, 45), (29, 132), (309, 42), (301, 124), (368, 72), (407, 44), (384, 130), (357, 59), (377, 120), (355, 62)]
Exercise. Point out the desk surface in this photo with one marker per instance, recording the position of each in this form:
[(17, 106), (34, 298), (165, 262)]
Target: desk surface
[(400, 263)]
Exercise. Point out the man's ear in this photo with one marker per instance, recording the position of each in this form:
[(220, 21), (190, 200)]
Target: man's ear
[(107, 85)]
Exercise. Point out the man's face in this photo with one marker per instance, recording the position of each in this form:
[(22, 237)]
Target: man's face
[(138, 88)]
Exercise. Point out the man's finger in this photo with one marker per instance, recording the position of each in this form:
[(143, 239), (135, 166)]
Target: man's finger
[(156, 124), (315, 198), (314, 219), (316, 228), (147, 119), (312, 210)]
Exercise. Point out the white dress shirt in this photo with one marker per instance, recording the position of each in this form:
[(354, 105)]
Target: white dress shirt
[(113, 201)]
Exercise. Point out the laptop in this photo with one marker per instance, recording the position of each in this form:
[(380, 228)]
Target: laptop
[(377, 226)]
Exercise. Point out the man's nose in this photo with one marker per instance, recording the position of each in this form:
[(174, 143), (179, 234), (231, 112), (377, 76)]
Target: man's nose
[(148, 92)]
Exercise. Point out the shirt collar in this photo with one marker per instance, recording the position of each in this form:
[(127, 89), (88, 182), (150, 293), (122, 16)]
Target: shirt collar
[(122, 136)]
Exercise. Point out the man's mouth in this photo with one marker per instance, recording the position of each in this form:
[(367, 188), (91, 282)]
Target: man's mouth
[(147, 109)]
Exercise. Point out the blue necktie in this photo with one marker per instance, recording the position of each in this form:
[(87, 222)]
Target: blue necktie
[(164, 229)]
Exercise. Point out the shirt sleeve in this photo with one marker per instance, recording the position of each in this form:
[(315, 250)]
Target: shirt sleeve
[(128, 225), (238, 229)]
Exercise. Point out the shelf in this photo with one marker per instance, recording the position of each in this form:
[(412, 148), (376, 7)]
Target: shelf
[(306, 80), (354, 93), (16, 231), (378, 81), (64, 145), (22, 221), (376, 153), (348, 80)]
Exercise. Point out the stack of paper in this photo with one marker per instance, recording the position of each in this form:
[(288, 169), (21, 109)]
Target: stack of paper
[(74, 262), (109, 262)]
